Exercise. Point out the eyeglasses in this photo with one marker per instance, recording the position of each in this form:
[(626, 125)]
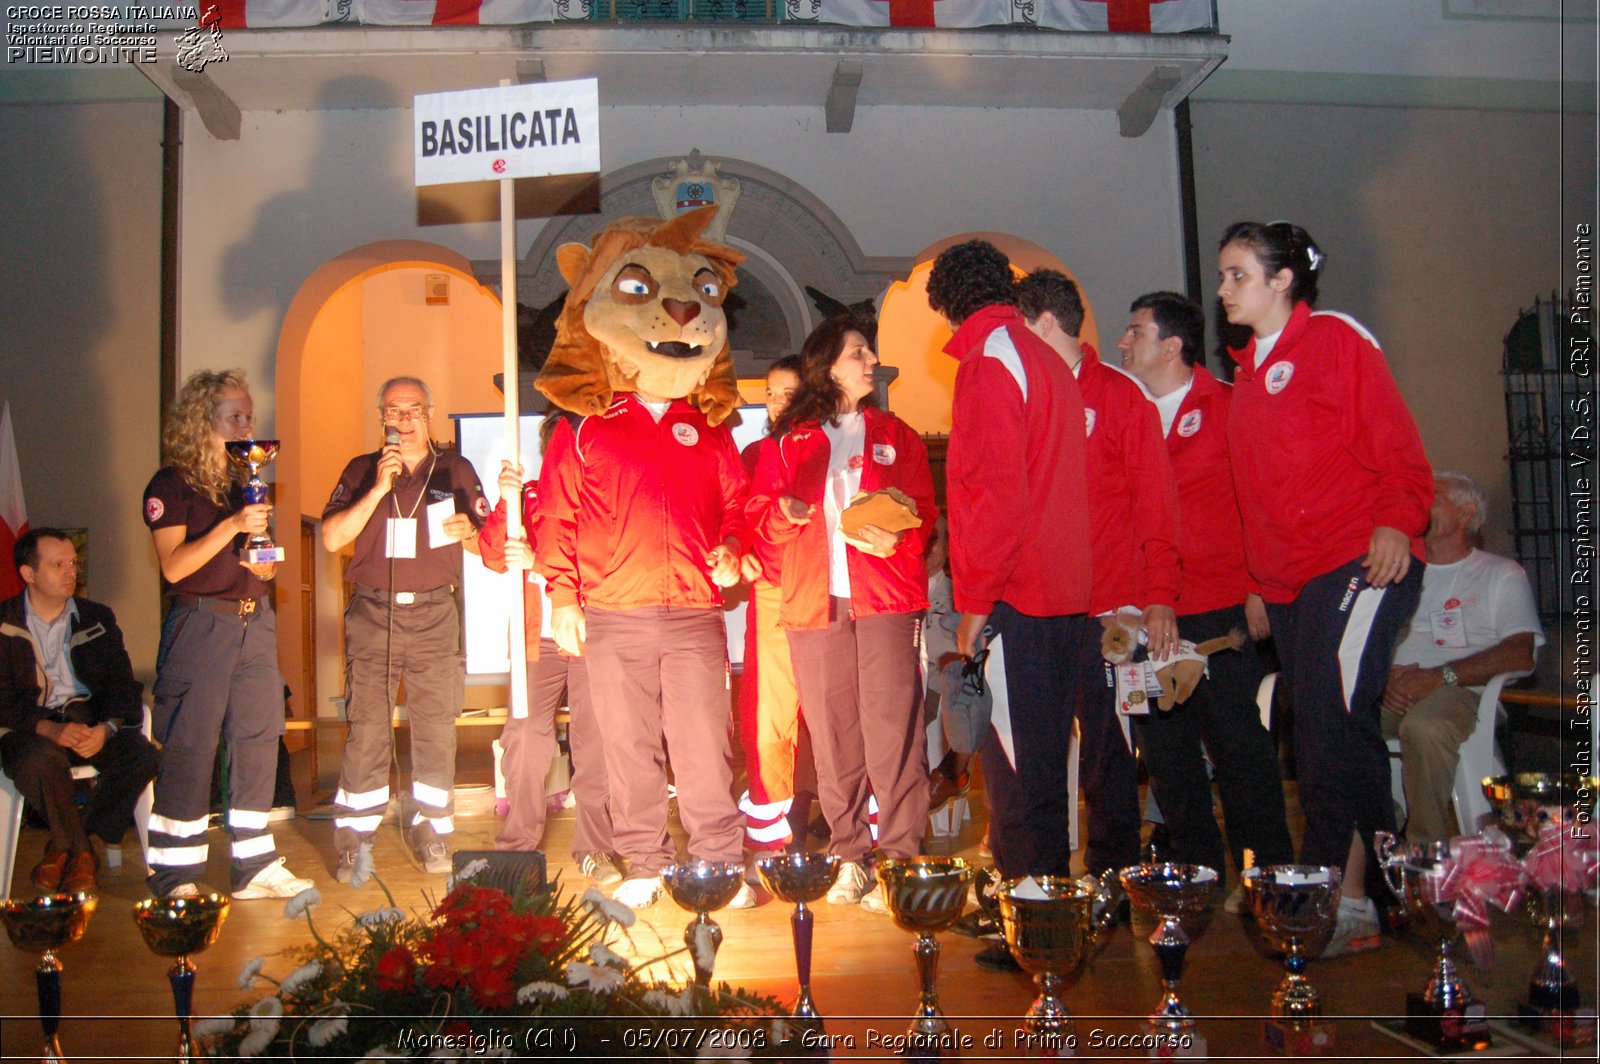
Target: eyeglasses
[(399, 415)]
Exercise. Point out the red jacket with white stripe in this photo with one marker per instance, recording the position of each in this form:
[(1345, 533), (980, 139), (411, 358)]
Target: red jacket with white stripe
[(492, 552), (769, 554), (1133, 501), (629, 507), (893, 456), (1211, 570), (1324, 451), (1019, 529)]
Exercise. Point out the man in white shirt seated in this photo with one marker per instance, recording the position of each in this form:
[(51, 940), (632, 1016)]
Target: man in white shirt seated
[(1477, 618)]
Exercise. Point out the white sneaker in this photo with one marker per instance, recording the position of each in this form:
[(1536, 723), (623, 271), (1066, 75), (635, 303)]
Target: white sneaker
[(184, 890), (872, 901), (852, 885), (273, 881), (280, 813), (1356, 929), (745, 899), (1237, 904), (639, 892)]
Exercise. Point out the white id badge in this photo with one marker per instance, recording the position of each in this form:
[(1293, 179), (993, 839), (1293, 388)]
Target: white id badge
[(1131, 699), (437, 512), (402, 538), (1449, 628)]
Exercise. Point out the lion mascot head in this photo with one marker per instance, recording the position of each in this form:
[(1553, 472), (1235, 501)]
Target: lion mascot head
[(644, 314)]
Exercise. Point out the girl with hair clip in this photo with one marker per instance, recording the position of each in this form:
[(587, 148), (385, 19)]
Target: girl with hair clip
[(851, 606), (1334, 491), (217, 669)]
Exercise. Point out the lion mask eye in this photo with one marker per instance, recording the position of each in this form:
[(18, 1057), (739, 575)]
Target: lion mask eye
[(634, 285), (709, 285)]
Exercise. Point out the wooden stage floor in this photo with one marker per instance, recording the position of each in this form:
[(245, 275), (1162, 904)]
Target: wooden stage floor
[(864, 983)]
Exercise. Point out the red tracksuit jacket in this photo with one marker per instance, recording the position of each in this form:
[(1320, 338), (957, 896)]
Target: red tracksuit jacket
[(492, 551), (1019, 529), (1211, 570), (1133, 502), (629, 507), (1323, 451), (893, 456)]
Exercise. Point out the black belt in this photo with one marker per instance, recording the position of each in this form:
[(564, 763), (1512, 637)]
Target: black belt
[(230, 606), (406, 598)]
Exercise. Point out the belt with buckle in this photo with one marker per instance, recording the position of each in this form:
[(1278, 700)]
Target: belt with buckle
[(406, 598), (244, 608)]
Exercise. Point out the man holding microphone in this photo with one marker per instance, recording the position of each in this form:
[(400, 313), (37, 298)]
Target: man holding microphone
[(408, 509)]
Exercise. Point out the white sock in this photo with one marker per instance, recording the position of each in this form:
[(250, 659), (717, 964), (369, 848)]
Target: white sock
[(1357, 906)]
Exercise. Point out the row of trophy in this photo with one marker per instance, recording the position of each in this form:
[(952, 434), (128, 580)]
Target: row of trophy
[(172, 927)]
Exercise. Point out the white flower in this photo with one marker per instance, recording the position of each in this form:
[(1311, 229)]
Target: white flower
[(593, 977), (363, 867), (266, 1016), (600, 953), (614, 911), (302, 903), (468, 870), (331, 1026), (681, 1004), (299, 977), (379, 917), (704, 947), (780, 1030), (215, 1025), (382, 1053), (251, 969), (542, 989)]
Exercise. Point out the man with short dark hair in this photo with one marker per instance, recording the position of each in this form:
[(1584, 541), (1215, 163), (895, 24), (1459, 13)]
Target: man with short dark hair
[(68, 696), (1019, 549), (1162, 348), (1476, 619)]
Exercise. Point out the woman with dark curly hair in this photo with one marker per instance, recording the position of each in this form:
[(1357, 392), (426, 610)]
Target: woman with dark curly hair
[(217, 669), (1334, 490), (852, 603)]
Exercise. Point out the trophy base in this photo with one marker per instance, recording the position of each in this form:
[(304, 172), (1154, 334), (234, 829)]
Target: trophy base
[(263, 555), (1169, 1044), (1299, 1038), (1563, 1027), (1447, 1029)]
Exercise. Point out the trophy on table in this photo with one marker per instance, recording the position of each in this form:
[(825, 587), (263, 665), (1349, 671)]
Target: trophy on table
[(177, 927), (925, 895), (703, 887), (1050, 925), (44, 925), (1179, 897), (1297, 905), (252, 456), (800, 878), (1529, 803), (1445, 1014)]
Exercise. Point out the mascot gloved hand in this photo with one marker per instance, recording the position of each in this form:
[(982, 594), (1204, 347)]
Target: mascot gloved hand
[(644, 314)]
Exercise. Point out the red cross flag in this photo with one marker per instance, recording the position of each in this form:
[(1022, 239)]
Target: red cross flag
[(13, 514), (923, 14), (1125, 16)]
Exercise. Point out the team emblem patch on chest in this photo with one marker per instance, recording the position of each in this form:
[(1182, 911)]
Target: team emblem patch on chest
[(1189, 424), (687, 435), (883, 453), (154, 508), (1278, 377), (1088, 421)]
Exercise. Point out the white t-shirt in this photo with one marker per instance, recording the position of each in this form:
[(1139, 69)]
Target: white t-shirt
[(1167, 405), (847, 440), (1468, 606)]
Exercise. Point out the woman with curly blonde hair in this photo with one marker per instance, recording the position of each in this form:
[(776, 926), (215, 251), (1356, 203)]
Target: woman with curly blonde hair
[(217, 669)]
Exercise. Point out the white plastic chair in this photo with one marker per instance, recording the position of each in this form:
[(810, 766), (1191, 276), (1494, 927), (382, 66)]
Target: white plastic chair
[(1480, 757), (11, 804)]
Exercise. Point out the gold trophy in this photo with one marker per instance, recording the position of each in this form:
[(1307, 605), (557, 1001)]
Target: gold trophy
[(926, 895), (703, 887), (177, 927), (1050, 925), (1297, 905), (252, 456), (44, 925)]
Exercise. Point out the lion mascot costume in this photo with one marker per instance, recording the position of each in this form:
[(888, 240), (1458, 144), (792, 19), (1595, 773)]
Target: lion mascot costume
[(641, 523)]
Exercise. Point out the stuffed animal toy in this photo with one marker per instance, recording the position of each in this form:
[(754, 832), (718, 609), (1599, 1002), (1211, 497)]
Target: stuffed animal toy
[(644, 314), (1179, 674)]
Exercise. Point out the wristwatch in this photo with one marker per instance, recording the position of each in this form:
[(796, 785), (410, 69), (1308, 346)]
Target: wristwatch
[(1449, 675)]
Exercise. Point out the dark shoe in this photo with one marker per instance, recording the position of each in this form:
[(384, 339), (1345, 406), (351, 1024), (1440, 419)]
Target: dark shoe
[(428, 850), (942, 788), (48, 872), (997, 958), (601, 868), (350, 843), (976, 925), (80, 877)]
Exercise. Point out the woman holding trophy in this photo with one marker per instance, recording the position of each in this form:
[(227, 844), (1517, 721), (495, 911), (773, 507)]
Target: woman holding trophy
[(217, 668)]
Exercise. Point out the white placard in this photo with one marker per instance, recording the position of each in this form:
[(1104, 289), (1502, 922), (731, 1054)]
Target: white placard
[(535, 130)]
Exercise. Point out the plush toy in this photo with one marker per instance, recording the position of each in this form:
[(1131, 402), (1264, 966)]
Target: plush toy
[(1178, 674), (644, 314)]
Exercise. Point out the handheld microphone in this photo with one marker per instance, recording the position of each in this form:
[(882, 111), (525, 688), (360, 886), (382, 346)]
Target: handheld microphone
[(391, 438)]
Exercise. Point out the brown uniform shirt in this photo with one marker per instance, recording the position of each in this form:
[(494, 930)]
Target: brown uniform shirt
[(170, 501)]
